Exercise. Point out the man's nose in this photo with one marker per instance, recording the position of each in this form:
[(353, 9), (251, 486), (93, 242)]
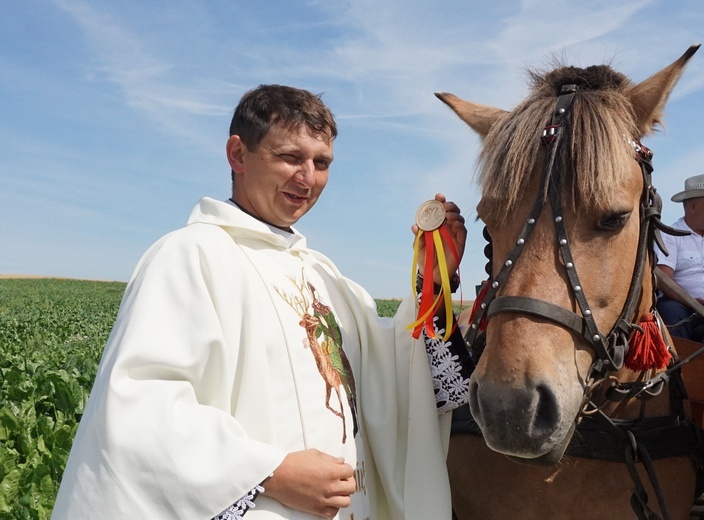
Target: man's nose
[(306, 174)]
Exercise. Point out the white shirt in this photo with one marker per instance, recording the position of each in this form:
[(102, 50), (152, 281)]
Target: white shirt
[(686, 259)]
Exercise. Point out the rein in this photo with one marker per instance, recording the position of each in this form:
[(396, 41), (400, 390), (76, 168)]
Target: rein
[(676, 288)]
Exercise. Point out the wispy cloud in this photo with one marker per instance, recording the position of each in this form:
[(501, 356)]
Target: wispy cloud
[(127, 127)]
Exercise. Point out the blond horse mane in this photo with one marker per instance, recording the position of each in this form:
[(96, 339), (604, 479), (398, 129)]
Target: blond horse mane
[(598, 158)]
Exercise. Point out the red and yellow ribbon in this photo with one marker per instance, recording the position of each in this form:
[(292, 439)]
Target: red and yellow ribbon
[(430, 303)]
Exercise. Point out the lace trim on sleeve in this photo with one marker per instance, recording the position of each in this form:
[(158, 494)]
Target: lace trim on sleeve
[(237, 510), (450, 367)]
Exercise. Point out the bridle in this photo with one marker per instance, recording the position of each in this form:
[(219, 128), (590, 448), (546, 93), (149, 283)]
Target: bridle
[(610, 348)]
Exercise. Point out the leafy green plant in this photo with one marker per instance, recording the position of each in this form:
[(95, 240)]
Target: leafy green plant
[(52, 334), (387, 308)]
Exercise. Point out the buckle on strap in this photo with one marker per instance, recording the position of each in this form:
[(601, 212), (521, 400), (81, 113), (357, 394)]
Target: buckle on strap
[(564, 102)]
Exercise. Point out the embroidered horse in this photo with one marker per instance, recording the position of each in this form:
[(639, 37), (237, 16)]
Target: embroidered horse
[(566, 333)]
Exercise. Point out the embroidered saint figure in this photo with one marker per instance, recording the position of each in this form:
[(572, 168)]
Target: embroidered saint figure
[(332, 345), (325, 342)]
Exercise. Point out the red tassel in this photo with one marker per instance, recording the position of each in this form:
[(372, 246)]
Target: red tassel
[(647, 349)]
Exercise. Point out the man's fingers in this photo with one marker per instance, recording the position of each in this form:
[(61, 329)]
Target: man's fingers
[(344, 472)]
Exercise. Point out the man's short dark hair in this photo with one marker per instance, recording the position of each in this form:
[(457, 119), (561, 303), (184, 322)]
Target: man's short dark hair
[(266, 105)]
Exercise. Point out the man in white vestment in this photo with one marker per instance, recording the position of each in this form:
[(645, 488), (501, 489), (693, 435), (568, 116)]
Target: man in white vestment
[(246, 377)]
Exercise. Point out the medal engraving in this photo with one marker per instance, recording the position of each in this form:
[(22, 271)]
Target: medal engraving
[(430, 215)]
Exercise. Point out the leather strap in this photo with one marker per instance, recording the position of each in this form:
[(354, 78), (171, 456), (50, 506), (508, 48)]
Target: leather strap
[(677, 289)]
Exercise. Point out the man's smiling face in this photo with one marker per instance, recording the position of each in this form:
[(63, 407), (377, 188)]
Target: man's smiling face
[(283, 177)]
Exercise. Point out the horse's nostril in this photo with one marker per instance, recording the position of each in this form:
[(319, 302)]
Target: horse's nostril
[(474, 401), (547, 412)]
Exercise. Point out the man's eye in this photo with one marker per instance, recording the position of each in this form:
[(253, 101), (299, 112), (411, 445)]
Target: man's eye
[(293, 159)]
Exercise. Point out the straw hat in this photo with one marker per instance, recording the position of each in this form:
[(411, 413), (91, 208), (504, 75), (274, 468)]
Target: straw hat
[(693, 187)]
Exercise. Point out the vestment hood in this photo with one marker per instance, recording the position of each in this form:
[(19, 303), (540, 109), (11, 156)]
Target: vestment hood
[(241, 225)]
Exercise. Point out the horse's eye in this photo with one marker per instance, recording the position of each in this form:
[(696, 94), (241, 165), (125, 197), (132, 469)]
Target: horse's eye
[(614, 221)]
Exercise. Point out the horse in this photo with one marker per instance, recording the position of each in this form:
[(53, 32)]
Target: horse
[(577, 392)]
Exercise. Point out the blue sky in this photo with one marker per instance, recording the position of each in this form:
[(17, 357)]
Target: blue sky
[(114, 115)]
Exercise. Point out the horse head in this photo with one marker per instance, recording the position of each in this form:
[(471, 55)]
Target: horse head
[(566, 194)]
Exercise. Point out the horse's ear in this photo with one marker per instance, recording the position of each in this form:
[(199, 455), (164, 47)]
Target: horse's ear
[(650, 96), (479, 117)]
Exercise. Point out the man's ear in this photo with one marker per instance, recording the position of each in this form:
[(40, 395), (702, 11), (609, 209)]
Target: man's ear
[(235, 153)]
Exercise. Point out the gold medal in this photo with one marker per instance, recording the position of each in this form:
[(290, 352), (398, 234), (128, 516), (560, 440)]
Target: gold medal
[(433, 238), (430, 215)]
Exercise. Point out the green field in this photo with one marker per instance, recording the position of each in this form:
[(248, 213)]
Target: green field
[(52, 334)]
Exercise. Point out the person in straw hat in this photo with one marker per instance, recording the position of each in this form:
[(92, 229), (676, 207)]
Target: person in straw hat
[(684, 262)]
